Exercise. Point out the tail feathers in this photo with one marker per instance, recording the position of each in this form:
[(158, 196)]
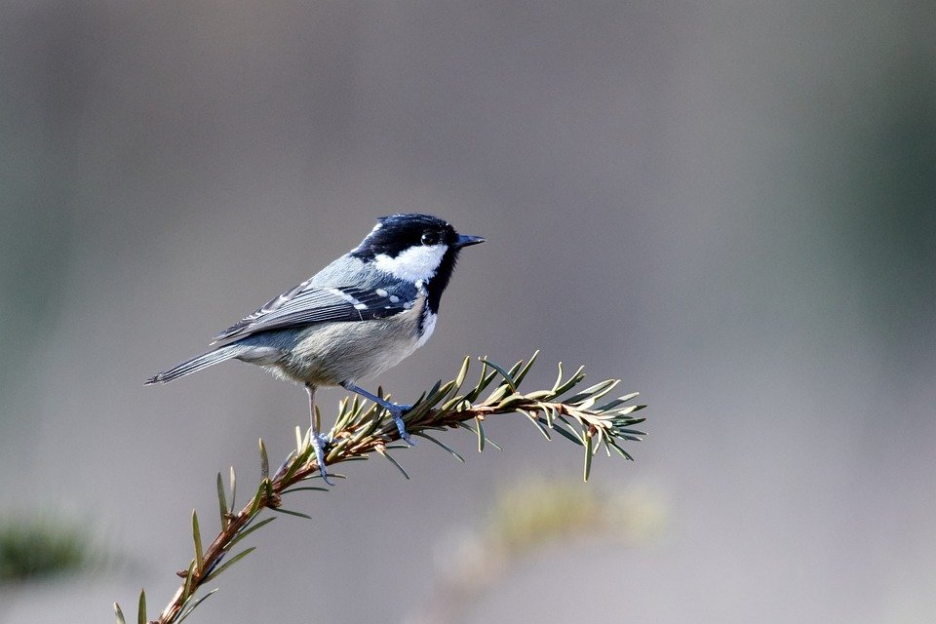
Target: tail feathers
[(196, 364)]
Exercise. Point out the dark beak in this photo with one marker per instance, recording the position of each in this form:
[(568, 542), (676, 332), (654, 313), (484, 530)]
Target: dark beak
[(465, 241)]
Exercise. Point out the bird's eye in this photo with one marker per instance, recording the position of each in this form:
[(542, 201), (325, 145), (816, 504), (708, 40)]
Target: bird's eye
[(430, 238)]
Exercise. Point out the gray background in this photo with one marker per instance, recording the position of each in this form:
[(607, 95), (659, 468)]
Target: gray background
[(730, 205)]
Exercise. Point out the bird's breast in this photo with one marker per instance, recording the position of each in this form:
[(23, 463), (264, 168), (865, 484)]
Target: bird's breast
[(328, 354)]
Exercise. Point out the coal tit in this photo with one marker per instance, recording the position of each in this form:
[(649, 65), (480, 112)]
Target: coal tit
[(354, 319)]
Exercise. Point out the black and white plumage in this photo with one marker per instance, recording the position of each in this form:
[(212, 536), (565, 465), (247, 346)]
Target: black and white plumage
[(357, 317)]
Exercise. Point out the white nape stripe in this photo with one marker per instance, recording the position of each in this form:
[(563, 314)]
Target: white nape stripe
[(429, 324), (416, 263)]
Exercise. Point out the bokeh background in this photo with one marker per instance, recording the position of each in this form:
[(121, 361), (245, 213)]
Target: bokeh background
[(729, 205)]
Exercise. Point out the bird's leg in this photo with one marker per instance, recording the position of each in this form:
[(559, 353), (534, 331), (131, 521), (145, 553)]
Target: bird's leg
[(396, 411), (317, 439)]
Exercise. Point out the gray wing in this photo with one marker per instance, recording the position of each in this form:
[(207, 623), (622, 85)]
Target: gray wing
[(307, 304)]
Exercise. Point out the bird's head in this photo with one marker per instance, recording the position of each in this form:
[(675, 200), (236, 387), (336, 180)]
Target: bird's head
[(415, 248)]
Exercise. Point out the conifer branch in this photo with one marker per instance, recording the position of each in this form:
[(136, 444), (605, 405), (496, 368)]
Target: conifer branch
[(364, 429)]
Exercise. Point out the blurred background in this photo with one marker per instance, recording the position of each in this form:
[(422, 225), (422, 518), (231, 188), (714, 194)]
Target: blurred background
[(729, 205)]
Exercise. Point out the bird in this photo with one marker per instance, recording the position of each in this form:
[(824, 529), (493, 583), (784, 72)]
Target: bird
[(357, 317)]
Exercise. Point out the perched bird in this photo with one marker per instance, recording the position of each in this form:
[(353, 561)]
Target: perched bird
[(360, 315)]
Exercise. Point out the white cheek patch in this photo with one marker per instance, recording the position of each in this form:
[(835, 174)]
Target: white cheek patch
[(416, 263)]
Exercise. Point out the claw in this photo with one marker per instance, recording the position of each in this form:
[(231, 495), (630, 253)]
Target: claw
[(319, 442), (396, 411), (397, 414), (316, 439)]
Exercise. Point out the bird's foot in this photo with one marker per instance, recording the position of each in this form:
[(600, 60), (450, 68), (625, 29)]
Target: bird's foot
[(320, 442), (396, 412)]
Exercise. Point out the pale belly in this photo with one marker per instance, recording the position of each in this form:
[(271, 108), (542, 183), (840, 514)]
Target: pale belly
[(330, 354)]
